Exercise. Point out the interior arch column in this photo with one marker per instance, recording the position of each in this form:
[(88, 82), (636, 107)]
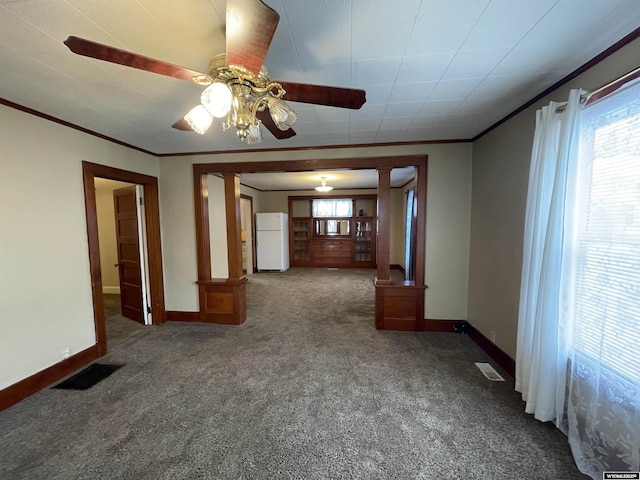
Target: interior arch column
[(383, 242), (399, 304), (234, 228), (222, 300)]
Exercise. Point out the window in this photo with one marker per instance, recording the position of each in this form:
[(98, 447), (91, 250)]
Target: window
[(606, 309), (332, 208), (410, 234)]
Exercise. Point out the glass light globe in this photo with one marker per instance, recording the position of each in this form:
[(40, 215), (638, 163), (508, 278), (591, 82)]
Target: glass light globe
[(217, 98), (282, 114), (199, 119), (254, 135)]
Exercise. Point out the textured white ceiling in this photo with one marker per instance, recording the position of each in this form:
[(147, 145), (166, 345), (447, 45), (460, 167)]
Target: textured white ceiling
[(432, 69)]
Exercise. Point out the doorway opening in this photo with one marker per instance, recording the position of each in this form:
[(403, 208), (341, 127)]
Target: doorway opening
[(222, 299), (147, 308), (248, 243), (123, 258)]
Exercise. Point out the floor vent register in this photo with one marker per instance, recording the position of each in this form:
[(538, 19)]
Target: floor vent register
[(489, 372)]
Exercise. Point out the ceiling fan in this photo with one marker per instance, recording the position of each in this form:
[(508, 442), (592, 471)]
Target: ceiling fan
[(239, 86)]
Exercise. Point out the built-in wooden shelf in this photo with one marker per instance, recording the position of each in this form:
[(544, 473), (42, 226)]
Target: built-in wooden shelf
[(332, 241), (300, 244)]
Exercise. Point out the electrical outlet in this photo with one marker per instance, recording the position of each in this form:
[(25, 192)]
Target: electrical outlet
[(492, 336), (66, 351)]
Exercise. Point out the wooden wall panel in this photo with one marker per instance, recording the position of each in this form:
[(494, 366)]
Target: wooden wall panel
[(223, 301)]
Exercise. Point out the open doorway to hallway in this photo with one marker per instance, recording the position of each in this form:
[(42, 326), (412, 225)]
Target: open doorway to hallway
[(246, 223), (121, 234), (147, 189)]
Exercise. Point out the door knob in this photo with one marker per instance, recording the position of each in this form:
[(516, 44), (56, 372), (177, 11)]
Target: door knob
[(116, 265)]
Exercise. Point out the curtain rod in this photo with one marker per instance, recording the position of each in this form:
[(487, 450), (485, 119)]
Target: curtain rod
[(611, 87), (606, 89)]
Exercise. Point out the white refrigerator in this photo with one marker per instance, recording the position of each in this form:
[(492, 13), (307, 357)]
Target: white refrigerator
[(272, 241)]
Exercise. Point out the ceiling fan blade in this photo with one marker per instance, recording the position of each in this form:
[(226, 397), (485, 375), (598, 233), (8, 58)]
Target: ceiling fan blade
[(128, 59), (250, 28), (183, 125), (267, 121), (323, 95)]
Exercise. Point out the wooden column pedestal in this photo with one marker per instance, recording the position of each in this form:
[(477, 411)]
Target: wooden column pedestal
[(223, 301), (400, 306)]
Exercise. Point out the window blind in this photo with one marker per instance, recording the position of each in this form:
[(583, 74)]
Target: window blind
[(606, 319)]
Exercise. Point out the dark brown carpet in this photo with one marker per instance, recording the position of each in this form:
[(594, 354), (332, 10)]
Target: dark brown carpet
[(305, 389)]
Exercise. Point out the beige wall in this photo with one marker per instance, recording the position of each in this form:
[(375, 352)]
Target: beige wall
[(248, 222), (448, 219), (279, 201), (396, 240), (447, 248), (500, 176), (217, 228), (45, 288), (256, 197), (107, 233), (218, 225)]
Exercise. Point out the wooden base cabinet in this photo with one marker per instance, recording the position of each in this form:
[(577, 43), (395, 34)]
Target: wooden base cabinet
[(223, 301), (340, 241), (400, 306), (331, 253)]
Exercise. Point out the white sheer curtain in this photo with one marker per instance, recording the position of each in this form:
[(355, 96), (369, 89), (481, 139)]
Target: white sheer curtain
[(541, 355), (601, 288), (578, 350), (332, 208)]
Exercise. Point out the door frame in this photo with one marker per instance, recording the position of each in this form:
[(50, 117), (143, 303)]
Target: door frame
[(253, 233), (154, 247), (235, 287)]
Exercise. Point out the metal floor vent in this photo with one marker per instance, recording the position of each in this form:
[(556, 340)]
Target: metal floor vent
[(489, 372)]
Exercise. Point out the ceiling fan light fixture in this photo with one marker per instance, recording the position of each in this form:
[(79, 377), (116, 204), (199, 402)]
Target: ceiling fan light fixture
[(237, 85), (254, 135), (323, 187), (282, 114), (217, 99), (199, 119)]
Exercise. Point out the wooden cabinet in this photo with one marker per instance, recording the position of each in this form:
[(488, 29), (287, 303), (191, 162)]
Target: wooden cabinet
[(300, 248), (347, 241), (331, 253), (363, 250)]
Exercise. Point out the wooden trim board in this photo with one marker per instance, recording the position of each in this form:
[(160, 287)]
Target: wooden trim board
[(154, 247), (176, 316), (36, 382), (232, 169), (435, 325), (495, 352)]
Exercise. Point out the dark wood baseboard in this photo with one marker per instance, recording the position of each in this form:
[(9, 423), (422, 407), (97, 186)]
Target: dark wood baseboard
[(175, 316), (36, 382), (462, 326), (434, 325), (495, 352), (395, 266)]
